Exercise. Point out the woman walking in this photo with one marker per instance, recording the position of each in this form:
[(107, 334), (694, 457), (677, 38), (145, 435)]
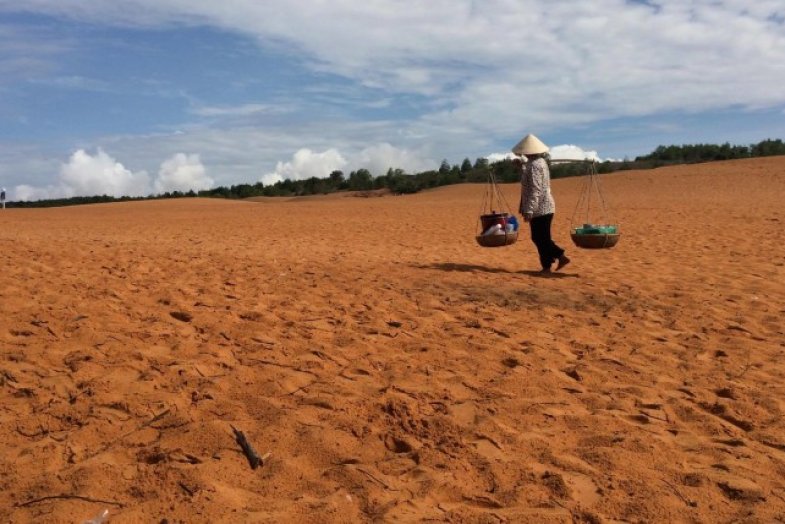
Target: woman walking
[(537, 204)]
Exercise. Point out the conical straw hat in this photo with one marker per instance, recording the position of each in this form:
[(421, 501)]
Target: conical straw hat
[(530, 145)]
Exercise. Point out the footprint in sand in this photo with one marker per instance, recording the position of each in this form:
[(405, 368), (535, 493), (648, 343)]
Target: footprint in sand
[(569, 485)]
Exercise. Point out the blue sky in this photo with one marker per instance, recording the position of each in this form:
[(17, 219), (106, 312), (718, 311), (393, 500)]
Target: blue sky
[(143, 96)]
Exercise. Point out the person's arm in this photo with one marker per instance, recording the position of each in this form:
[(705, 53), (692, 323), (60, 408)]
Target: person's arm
[(523, 187)]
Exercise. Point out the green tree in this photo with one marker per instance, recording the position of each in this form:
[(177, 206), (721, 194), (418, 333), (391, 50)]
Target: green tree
[(768, 147), (360, 180), (315, 186), (337, 179)]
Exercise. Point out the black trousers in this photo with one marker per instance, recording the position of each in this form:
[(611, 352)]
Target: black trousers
[(541, 236)]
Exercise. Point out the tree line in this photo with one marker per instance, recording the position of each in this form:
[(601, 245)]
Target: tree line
[(689, 154), (399, 182)]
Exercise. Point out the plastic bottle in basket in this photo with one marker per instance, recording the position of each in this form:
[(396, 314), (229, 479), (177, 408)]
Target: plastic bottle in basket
[(493, 230)]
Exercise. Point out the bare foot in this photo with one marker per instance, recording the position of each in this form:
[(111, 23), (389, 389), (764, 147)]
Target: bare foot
[(563, 261), (545, 270)]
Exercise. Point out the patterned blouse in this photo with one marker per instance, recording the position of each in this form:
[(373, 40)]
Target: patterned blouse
[(536, 195)]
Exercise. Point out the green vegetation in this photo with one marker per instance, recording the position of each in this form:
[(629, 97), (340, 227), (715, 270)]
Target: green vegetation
[(688, 154), (399, 182)]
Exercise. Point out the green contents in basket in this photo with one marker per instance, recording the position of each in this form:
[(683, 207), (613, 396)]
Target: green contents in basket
[(590, 229)]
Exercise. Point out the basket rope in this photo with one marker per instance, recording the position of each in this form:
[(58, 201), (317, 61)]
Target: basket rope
[(492, 195), (591, 185)]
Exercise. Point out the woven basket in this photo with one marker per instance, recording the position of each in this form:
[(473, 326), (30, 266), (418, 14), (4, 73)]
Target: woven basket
[(595, 241), (497, 240)]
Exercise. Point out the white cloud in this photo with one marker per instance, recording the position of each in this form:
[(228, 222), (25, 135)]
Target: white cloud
[(379, 158), (306, 164), (572, 152), (498, 157), (28, 54), (606, 57), (560, 152), (182, 172), (26, 192), (242, 110), (76, 83), (100, 174), (86, 175)]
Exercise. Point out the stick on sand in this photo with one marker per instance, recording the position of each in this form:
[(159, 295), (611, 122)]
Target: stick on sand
[(253, 458)]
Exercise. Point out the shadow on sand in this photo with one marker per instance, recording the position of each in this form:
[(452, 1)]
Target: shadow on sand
[(473, 268)]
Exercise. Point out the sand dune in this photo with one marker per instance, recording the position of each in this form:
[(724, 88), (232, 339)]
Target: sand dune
[(395, 370)]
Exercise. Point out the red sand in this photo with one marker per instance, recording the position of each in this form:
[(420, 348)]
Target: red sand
[(395, 370)]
